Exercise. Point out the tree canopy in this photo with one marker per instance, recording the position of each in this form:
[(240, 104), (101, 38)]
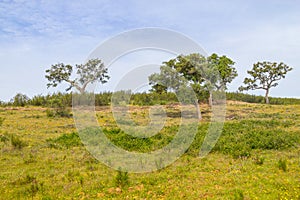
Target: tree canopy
[(167, 79), (202, 73), (265, 75), (90, 72)]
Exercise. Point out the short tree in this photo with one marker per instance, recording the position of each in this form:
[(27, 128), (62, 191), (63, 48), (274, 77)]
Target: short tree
[(90, 72), (265, 75), (20, 100)]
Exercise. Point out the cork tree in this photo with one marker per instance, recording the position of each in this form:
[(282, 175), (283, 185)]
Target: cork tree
[(265, 75), (88, 73)]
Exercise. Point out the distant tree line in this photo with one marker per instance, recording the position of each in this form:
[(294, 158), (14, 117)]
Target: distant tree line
[(141, 99)]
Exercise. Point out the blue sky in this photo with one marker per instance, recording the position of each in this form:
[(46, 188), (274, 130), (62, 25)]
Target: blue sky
[(36, 34)]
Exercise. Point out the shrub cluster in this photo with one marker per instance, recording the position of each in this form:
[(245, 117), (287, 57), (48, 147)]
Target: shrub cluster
[(65, 141), (238, 139), (236, 96), (142, 99)]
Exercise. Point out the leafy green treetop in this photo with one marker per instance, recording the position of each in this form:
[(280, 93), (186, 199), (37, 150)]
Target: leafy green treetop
[(90, 72), (168, 78), (265, 75), (225, 68), (212, 73), (20, 100)]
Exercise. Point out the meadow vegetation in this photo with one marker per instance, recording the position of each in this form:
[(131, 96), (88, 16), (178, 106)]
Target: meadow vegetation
[(256, 157)]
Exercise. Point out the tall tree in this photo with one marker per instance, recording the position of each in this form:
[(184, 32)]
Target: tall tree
[(265, 75), (225, 68), (167, 79), (90, 72), (212, 73)]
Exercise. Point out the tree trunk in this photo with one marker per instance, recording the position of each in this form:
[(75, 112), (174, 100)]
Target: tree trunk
[(82, 90), (198, 110), (267, 96), (210, 99)]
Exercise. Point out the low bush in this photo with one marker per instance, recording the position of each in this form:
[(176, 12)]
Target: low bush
[(58, 107), (58, 112), (121, 179), (50, 113), (282, 164), (240, 138), (17, 142), (65, 141)]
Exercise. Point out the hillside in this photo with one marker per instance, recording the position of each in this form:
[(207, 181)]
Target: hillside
[(256, 157)]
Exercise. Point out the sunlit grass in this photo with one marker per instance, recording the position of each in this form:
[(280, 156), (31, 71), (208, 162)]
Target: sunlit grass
[(45, 172)]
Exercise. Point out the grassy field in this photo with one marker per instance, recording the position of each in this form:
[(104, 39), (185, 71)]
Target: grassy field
[(257, 157)]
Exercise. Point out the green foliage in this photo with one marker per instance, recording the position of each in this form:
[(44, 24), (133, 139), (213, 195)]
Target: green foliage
[(58, 106), (236, 96), (167, 79), (20, 100), (225, 67), (158, 88), (240, 138), (130, 143), (58, 73), (196, 71), (17, 142), (146, 99), (103, 99), (154, 98), (38, 100), (239, 151), (121, 179), (62, 112), (93, 70), (265, 75), (282, 164), (143, 99), (50, 113), (121, 97), (65, 141)]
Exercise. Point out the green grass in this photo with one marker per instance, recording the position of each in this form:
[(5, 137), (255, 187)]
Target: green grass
[(65, 141), (256, 157)]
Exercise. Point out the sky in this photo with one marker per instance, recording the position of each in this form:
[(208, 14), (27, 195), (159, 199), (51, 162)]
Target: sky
[(36, 34)]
